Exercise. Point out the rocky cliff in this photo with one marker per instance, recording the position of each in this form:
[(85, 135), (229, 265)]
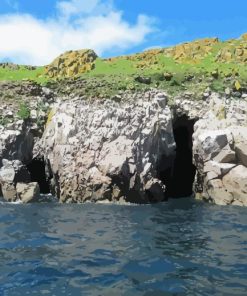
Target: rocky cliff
[(142, 128), (109, 150), (135, 147)]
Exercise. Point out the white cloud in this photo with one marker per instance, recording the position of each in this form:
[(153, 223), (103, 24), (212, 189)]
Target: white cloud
[(80, 7), (28, 40)]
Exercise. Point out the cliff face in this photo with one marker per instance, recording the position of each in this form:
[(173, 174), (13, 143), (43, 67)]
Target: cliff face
[(132, 148), (141, 128), (220, 152), (109, 151)]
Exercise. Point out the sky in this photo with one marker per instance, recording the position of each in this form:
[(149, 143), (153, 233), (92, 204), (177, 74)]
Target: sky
[(36, 31)]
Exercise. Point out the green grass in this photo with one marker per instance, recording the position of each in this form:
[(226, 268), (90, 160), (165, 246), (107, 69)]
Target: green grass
[(103, 67), (24, 111), (36, 75), (110, 76)]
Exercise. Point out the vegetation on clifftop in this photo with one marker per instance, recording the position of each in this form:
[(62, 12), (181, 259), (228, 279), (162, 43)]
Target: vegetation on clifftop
[(190, 66)]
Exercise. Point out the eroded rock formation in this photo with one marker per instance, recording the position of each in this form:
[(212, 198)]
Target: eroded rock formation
[(134, 148), (109, 150), (72, 63), (219, 149)]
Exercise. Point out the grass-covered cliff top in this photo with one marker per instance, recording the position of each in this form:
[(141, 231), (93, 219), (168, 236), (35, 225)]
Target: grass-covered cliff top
[(190, 66)]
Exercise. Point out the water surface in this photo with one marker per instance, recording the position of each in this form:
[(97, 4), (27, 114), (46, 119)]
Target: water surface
[(183, 247)]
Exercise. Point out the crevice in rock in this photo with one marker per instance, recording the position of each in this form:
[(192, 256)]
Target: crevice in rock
[(37, 172), (179, 177)]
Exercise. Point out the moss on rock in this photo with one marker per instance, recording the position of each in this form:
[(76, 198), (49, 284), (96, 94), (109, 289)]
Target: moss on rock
[(72, 63)]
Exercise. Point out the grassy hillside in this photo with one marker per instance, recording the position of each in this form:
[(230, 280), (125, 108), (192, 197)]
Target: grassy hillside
[(23, 73), (190, 66)]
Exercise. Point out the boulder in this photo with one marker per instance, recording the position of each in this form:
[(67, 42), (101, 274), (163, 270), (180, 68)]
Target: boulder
[(226, 155), (142, 79), (210, 143), (72, 63), (220, 169), (9, 192), (28, 192), (236, 184), (217, 193), (13, 172), (10, 173), (241, 151), (7, 174), (168, 76)]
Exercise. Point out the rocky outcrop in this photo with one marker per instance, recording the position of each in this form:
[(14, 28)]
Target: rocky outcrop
[(16, 143), (72, 63), (15, 181), (234, 51), (109, 150), (192, 51), (21, 125), (219, 149), (15, 67), (123, 149), (11, 173)]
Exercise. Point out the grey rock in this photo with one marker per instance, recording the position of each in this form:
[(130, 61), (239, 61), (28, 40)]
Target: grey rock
[(217, 193), (111, 151), (145, 80), (235, 183), (28, 192), (241, 151), (226, 155), (9, 192)]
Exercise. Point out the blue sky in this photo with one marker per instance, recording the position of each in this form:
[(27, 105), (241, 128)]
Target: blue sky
[(35, 32)]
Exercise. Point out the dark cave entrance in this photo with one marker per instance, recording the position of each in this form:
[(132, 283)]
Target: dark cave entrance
[(180, 176), (37, 171)]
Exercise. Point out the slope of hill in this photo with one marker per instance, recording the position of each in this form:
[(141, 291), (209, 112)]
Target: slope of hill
[(193, 65)]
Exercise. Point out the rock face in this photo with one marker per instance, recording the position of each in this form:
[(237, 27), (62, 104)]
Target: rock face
[(16, 143), (219, 149), (234, 51), (18, 133), (109, 151), (72, 63), (123, 149), (190, 51), (10, 173), (15, 181)]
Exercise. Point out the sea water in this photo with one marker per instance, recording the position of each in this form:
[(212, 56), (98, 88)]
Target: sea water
[(181, 247)]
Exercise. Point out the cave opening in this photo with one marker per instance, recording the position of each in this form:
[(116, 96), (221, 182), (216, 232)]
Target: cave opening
[(37, 172), (179, 178)]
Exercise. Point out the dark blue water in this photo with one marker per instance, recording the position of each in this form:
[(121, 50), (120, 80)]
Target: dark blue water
[(182, 247)]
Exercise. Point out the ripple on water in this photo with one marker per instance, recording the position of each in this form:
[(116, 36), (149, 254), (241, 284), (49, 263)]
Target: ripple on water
[(182, 247)]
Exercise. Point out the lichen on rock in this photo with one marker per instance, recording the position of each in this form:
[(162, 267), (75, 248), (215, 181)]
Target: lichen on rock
[(71, 64)]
